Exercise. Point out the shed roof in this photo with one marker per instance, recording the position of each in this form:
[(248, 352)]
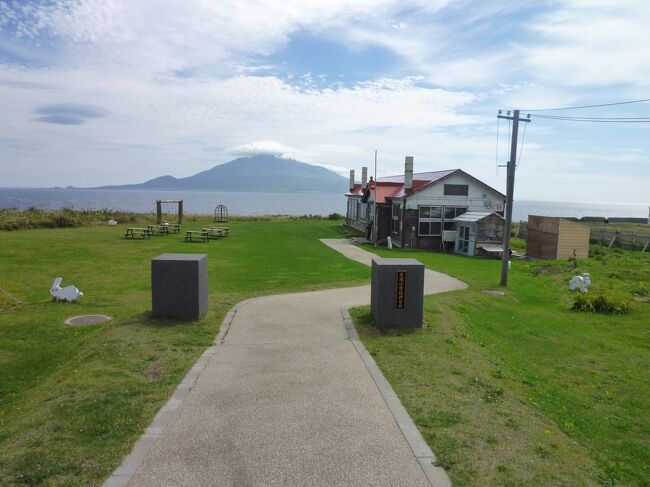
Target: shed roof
[(475, 216)]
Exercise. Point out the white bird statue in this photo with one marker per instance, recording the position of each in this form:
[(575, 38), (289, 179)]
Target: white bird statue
[(68, 293)]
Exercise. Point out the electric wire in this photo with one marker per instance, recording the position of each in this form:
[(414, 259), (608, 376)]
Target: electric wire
[(521, 148), (595, 119), (496, 157), (643, 100)]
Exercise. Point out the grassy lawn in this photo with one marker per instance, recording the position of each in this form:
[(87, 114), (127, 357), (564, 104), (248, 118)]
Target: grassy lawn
[(73, 400), (519, 390)]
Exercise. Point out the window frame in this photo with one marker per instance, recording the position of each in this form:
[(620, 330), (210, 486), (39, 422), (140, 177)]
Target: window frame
[(446, 221), (456, 188), (395, 217), (430, 221)]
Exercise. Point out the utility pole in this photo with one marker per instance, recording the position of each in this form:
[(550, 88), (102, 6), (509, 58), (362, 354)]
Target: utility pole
[(510, 187)]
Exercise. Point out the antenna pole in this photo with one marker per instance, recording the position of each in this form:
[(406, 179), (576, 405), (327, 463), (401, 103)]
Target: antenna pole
[(375, 165)]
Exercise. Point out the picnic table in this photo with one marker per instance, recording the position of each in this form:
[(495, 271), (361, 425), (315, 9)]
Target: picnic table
[(192, 235), (137, 232), (216, 232), (173, 227), (158, 229)]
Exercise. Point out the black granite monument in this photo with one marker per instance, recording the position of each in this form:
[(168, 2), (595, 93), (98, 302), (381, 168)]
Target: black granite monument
[(396, 293), (179, 286)]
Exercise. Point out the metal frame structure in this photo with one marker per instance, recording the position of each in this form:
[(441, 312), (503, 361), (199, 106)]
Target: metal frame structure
[(159, 204), (220, 214)]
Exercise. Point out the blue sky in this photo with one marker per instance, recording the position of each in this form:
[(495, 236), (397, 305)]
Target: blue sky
[(97, 92)]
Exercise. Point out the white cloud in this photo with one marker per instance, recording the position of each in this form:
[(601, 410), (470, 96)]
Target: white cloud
[(269, 147), (186, 81), (591, 43)]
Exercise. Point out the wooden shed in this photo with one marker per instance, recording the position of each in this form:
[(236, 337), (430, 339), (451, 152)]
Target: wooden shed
[(556, 238)]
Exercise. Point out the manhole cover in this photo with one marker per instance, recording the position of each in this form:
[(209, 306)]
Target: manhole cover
[(87, 320), (493, 292)]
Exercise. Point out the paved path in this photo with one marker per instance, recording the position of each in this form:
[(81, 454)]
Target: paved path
[(286, 398)]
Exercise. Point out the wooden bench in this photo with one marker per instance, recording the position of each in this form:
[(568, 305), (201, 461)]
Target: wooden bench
[(191, 235), (137, 232), (218, 232), (172, 227), (158, 229), (214, 232)]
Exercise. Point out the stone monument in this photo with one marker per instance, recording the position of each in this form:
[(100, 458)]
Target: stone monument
[(397, 293), (179, 286)]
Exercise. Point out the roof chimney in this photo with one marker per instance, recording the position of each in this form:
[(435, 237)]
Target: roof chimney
[(364, 178), (408, 173), (351, 180)]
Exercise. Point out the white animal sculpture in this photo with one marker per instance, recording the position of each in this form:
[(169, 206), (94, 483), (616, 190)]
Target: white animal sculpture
[(112, 222), (68, 293)]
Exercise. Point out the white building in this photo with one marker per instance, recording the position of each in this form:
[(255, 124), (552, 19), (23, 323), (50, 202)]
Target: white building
[(415, 209)]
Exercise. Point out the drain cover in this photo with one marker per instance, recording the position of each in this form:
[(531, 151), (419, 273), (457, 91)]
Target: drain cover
[(493, 292), (87, 320)]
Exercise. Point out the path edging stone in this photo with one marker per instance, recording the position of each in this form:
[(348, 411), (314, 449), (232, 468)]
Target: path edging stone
[(436, 475), (123, 474)]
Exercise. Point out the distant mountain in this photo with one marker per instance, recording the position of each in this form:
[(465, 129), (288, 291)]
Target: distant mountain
[(256, 173)]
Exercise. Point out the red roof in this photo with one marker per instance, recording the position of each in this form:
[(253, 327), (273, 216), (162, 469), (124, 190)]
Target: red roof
[(390, 187)]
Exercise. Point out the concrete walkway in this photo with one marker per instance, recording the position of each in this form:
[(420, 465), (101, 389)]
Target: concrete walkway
[(287, 398)]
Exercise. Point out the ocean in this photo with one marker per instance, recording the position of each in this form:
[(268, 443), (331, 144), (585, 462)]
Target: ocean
[(263, 203)]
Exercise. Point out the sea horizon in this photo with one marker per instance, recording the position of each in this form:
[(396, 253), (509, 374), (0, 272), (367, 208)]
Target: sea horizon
[(267, 202)]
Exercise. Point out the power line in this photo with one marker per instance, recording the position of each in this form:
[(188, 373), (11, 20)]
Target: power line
[(496, 157), (521, 147), (590, 106), (595, 119)]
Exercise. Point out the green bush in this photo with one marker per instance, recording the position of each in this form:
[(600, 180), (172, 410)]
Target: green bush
[(639, 288), (613, 304), (335, 216)]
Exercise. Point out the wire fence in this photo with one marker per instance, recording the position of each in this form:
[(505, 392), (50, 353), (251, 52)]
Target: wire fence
[(603, 236)]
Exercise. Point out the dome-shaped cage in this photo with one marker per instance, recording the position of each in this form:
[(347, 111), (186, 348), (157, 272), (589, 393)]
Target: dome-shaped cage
[(220, 214)]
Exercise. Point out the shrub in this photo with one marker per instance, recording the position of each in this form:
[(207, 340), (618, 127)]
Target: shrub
[(600, 303), (639, 288), (335, 216)]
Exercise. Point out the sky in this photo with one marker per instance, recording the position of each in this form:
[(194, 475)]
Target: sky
[(99, 92)]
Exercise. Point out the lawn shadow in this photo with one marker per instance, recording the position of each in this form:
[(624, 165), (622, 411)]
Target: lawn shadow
[(147, 319)]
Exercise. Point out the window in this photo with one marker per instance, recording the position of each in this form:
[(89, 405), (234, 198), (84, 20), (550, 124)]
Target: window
[(364, 211), (452, 212), (463, 239), (456, 189), (430, 220), (394, 228)]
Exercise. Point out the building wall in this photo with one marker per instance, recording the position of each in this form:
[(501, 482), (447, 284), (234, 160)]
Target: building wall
[(573, 236), (356, 216), (474, 201), (384, 217)]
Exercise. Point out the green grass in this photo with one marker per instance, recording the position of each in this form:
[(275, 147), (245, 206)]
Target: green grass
[(73, 400), (519, 389)]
